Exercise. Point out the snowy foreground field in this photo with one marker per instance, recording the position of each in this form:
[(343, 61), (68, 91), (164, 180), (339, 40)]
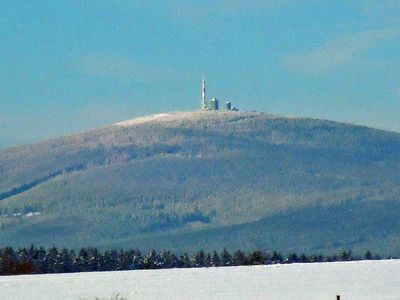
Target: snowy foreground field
[(323, 281)]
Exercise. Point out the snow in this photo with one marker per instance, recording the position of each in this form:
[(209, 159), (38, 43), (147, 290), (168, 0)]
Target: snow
[(27, 215), (175, 118), (31, 214), (364, 280), (141, 120)]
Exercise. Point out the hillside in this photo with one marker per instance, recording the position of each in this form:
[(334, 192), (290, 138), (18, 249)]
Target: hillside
[(206, 179)]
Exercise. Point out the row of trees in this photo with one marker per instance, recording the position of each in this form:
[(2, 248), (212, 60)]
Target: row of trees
[(35, 260)]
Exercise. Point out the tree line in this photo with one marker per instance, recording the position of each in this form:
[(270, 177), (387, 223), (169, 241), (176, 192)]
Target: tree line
[(35, 260)]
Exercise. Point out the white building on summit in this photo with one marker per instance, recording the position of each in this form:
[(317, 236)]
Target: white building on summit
[(212, 104)]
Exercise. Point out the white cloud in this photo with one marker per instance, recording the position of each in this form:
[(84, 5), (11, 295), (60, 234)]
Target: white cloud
[(338, 51)]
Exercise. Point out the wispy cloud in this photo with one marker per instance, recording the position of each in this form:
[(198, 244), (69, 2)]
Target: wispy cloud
[(338, 51)]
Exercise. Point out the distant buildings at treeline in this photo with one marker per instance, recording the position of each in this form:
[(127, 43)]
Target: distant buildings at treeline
[(213, 104)]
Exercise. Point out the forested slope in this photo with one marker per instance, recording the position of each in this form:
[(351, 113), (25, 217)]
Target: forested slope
[(199, 177)]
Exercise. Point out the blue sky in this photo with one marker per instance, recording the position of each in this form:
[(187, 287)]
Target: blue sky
[(68, 66)]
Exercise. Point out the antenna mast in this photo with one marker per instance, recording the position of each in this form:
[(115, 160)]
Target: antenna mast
[(203, 94)]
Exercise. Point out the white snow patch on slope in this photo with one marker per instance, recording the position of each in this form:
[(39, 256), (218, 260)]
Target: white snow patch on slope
[(141, 120), (364, 280), (175, 118), (31, 214)]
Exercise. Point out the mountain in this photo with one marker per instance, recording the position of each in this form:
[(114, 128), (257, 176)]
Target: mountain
[(214, 179)]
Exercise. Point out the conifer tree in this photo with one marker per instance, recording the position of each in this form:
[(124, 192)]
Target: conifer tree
[(346, 255), (8, 261), (215, 261), (276, 258), (170, 260), (208, 260), (24, 262), (151, 261), (303, 258), (185, 261), (368, 255), (137, 261), (66, 260), (226, 258), (257, 258), (199, 259), (292, 258), (239, 258)]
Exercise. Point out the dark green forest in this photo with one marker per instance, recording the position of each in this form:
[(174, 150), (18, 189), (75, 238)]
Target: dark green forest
[(35, 260)]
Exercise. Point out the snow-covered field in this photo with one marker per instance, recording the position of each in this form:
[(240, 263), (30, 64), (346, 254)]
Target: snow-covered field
[(323, 281)]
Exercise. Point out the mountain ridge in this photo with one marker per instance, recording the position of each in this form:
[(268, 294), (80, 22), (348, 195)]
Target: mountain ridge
[(169, 116), (189, 172)]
